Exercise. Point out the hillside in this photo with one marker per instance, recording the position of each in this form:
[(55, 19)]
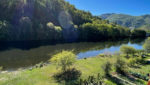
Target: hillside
[(38, 19), (141, 22), (54, 20)]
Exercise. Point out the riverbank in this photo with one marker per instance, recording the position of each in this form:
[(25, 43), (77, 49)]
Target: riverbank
[(44, 75)]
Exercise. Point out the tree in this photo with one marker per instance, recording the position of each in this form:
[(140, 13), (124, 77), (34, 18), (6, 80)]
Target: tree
[(54, 20), (138, 33), (53, 32), (146, 45), (25, 32), (64, 59), (4, 30), (127, 50)]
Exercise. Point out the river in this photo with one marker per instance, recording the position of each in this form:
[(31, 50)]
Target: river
[(20, 55)]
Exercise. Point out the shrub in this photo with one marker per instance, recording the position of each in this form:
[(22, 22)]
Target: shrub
[(146, 45), (107, 68), (121, 66), (132, 62), (135, 61), (127, 50), (138, 75), (68, 75), (92, 80), (64, 59)]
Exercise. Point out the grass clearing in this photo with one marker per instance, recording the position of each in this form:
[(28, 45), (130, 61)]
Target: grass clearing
[(43, 76)]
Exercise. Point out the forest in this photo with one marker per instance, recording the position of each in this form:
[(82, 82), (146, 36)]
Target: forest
[(51, 42), (55, 20)]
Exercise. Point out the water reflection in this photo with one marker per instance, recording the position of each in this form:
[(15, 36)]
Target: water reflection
[(19, 55), (109, 50)]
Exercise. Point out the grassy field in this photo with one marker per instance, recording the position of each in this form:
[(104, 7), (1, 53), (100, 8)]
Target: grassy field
[(43, 76)]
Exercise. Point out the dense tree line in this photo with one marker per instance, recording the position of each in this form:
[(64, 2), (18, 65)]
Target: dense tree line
[(138, 33), (96, 31), (55, 20)]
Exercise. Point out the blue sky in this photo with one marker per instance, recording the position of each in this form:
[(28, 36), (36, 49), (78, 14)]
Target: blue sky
[(97, 7)]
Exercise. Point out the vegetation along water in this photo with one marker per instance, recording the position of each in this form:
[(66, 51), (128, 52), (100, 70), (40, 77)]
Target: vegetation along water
[(51, 42)]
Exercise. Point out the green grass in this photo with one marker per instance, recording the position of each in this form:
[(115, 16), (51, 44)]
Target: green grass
[(144, 69), (43, 76)]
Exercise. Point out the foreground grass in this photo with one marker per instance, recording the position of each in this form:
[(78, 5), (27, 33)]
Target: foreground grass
[(88, 67), (43, 76)]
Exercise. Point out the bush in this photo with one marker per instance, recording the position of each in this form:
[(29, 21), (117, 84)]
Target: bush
[(146, 45), (64, 59), (68, 75), (128, 50), (135, 61), (132, 62), (138, 75), (107, 68), (121, 66), (91, 80)]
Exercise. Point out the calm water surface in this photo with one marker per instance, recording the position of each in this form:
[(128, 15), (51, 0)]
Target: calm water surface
[(18, 55)]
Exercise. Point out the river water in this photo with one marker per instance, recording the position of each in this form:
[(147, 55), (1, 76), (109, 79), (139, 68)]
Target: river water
[(16, 55)]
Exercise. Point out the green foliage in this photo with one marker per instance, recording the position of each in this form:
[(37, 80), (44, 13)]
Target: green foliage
[(107, 68), (26, 29), (4, 30), (127, 50), (121, 66), (65, 59), (50, 25), (97, 31), (68, 75), (147, 45), (54, 20), (1, 68), (140, 52), (53, 32), (139, 75), (138, 33), (135, 61), (90, 66), (99, 80)]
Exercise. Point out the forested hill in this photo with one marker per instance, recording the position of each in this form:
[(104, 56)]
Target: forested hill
[(55, 20), (142, 22)]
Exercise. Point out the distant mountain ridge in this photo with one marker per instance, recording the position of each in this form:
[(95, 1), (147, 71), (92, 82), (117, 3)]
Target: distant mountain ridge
[(141, 22)]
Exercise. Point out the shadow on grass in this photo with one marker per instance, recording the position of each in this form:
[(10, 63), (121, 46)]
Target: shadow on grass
[(136, 67), (68, 77)]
